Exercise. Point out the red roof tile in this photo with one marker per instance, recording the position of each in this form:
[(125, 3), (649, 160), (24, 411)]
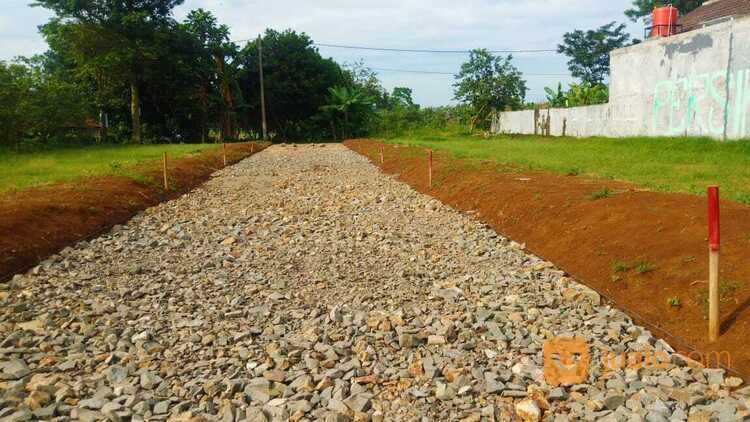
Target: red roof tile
[(712, 10)]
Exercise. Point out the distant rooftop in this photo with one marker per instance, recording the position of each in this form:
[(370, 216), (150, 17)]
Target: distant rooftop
[(714, 10)]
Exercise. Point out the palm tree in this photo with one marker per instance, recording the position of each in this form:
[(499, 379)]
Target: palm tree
[(347, 102)]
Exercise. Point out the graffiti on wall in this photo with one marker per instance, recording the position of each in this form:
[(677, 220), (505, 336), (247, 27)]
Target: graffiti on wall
[(703, 104)]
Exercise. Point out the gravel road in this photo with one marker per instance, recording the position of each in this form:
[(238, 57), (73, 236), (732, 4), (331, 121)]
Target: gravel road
[(303, 284)]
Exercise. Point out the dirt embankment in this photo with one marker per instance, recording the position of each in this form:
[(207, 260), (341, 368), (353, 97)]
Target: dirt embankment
[(645, 251), (37, 222)]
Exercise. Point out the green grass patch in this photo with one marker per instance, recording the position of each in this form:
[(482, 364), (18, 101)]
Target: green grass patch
[(644, 267), (727, 289), (22, 170), (619, 267), (682, 164), (602, 193)]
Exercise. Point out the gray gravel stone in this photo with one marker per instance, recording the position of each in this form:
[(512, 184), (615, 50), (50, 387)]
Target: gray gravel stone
[(303, 284)]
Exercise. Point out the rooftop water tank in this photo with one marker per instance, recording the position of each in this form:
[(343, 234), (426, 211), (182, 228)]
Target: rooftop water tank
[(664, 21)]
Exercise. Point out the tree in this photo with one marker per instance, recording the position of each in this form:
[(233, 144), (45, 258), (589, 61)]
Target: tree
[(556, 98), (351, 106), (38, 104), (488, 83), (643, 8), (297, 83), (589, 50), (402, 97), (112, 41), (359, 75), (212, 68), (585, 94)]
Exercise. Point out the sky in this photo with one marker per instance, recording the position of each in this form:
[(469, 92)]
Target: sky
[(403, 24)]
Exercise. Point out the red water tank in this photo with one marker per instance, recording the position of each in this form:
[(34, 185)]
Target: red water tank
[(664, 21)]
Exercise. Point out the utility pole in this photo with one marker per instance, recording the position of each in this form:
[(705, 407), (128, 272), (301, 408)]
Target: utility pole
[(262, 87)]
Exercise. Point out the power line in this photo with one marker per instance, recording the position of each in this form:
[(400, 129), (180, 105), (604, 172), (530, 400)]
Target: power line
[(412, 50), (430, 72), (427, 72), (408, 50)]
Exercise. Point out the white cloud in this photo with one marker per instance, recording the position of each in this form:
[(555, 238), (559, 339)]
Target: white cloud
[(440, 24)]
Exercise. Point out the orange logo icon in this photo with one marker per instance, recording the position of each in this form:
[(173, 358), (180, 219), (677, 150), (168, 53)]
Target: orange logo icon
[(566, 360)]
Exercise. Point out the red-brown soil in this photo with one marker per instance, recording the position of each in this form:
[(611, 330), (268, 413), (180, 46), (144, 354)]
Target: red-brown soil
[(37, 222), (556, 217)]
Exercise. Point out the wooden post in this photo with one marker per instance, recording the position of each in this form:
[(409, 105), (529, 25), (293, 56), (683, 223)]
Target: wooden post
[(713, 263), (224, 153), (252, 148), (565, 126), (382, 158), (429, 159), (164, 169), (262, 88)]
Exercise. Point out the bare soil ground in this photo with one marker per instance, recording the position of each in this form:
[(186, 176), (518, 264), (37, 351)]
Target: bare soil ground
[(37, 222), (640, 249)]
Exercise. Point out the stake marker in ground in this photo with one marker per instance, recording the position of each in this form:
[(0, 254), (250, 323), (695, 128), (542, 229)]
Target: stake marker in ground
[(164, 170), (713, 263), (429, 165)]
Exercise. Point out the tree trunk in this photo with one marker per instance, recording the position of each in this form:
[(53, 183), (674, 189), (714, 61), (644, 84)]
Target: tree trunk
[(346, 125), (227, 109), (135, 112), (204, 111)]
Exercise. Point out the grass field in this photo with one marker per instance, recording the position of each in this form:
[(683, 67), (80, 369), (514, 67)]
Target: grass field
[(685, 165), (21, 170)]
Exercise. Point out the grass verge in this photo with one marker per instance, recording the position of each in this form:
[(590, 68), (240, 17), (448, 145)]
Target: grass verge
[(22, 170), (685, 165)]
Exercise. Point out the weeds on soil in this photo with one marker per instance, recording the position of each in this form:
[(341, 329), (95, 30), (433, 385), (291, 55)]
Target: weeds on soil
[(727, 289), (601, 194), (643, 267), (620, 266)]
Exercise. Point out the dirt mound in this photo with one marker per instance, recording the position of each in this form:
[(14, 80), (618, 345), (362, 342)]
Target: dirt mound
[(38, 222), (645, 251)]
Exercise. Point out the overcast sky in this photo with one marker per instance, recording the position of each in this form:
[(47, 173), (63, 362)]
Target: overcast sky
[(410, 24)]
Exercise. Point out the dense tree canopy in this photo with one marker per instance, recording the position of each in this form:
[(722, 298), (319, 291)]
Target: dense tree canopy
[(589, 50), (297, 83), (113, 41), (131, 72), (489, 83)]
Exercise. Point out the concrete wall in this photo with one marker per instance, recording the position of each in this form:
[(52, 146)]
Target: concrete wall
[(696, 83)]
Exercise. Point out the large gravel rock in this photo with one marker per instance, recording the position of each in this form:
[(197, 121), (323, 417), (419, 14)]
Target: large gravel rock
[(302, 284)]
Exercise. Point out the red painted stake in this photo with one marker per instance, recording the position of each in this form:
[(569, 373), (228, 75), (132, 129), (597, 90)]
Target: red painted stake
[(714, 242), (430, 167)]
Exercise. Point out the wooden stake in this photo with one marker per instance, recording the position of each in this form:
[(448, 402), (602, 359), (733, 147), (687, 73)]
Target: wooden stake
[(252, 148), (430, 167), (164, 169), (714, 242), (713, 296), (224, 151), (382, 158), (262, 87)]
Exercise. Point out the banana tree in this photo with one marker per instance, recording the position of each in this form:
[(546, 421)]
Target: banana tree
[(350, 104)]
